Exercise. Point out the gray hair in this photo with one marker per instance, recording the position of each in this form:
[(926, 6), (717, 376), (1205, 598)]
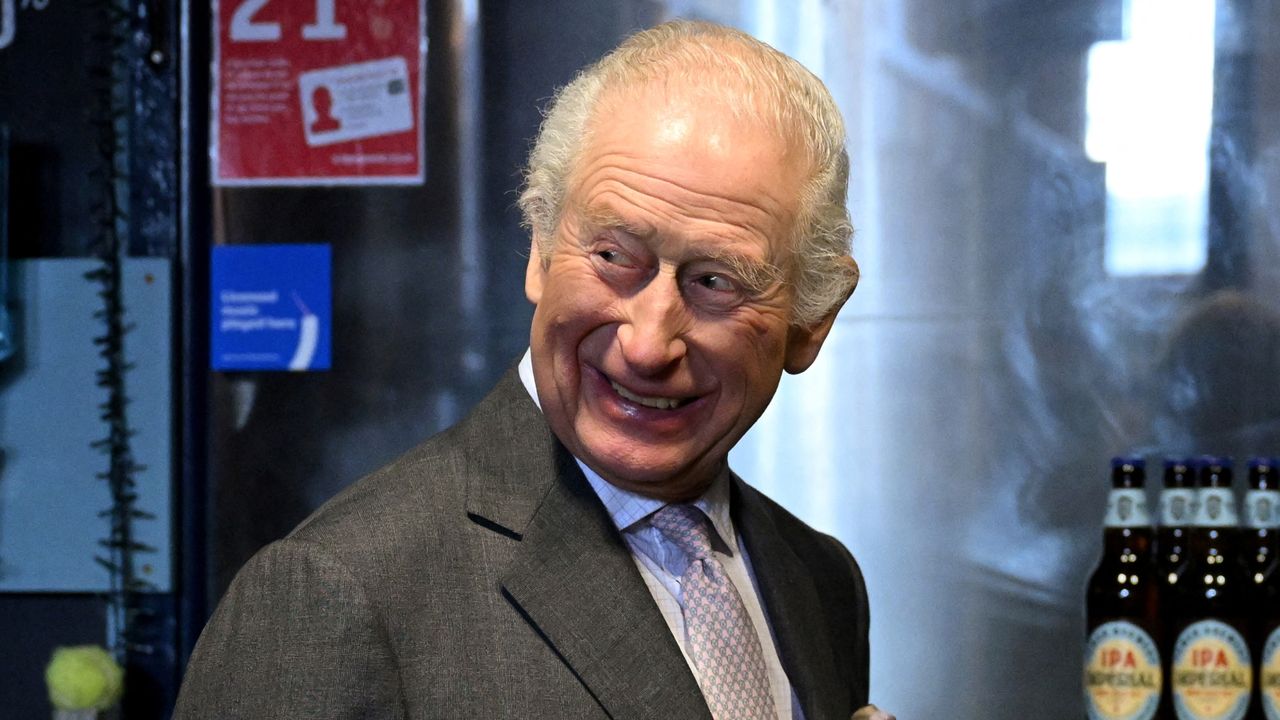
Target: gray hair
[(761, 81)]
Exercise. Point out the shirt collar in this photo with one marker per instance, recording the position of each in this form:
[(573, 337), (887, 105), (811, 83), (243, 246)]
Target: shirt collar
[(627, 508), (525, 368)]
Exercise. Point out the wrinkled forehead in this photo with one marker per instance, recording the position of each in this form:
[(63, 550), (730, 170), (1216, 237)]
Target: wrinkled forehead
[(689, 158), (711, 128), (695, 132), (708, 97)]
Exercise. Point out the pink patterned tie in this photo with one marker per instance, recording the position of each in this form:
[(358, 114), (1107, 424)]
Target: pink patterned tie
[(721, 639)]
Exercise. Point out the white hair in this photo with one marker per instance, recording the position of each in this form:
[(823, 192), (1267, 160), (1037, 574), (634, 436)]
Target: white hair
[(755, 80)]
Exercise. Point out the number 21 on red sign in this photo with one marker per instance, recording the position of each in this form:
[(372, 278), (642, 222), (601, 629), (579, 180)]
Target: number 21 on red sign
[(245, 29)]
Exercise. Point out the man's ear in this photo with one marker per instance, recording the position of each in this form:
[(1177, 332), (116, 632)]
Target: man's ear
[(535, 271), (803, 343)]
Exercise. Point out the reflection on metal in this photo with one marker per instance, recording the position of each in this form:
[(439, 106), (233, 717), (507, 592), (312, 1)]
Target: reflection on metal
[(7, 29), (6, 328), (9, 18), (1150, 107), (793, 24), (465, 41)]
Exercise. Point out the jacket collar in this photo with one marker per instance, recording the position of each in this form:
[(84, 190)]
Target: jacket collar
[(572, 576), (793, 605), (574, 580)]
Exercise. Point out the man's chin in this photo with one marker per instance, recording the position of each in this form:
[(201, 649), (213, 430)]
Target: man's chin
[(669, 481)]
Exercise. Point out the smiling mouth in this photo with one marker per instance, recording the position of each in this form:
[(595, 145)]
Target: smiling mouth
[(659, 403)]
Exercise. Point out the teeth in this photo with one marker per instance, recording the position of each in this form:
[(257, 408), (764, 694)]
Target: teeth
[(653, 402)]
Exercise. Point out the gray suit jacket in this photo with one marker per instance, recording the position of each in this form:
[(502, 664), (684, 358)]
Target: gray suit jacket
[(479, 576)]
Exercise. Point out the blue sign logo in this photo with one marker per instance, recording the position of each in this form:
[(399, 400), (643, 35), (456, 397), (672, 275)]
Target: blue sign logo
[(271, 307)]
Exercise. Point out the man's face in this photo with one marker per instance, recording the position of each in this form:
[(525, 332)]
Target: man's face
[(662, 322)]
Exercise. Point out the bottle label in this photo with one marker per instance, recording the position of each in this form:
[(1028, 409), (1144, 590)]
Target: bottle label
[(1177, 507), (1262, 509), (1127, 507), (1212, 673), (1269, 678), (1217, 508), (1121, 673)]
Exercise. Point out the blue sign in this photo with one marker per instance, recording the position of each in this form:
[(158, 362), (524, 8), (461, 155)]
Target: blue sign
[(271, 307)]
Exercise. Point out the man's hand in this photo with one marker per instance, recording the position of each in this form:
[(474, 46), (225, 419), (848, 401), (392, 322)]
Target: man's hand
[(871, 712)]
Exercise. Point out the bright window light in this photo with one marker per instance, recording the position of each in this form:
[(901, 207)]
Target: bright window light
[(1149, 112)]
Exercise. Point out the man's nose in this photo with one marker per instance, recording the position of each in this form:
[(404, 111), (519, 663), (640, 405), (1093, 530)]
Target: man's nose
[(651, 335)]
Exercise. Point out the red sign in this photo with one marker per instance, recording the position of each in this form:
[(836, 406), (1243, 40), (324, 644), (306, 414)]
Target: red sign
[(318, 92)]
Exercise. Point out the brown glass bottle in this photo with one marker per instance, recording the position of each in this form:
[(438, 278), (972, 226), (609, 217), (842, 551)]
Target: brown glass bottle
[(1123, 675), (1260, 530), (1177, 509), (1260, 536), (1211, 673), (1268, 676)]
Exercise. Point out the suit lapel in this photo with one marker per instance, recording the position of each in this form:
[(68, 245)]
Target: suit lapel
[(795, 611), (572, 576)]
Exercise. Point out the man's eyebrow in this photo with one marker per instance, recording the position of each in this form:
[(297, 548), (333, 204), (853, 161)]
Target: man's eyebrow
[(757, 275), (606, 218)]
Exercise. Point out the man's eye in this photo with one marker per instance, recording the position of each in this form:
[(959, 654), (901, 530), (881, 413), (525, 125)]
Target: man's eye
[(613, 257), (717, 283)]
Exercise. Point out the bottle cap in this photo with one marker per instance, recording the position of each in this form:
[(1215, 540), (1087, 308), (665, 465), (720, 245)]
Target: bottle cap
[(1262, 473), (1215, 472), (1179, 473), (1128, 472)]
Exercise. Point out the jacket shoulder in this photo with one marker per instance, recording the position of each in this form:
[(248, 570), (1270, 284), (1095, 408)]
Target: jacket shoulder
[(817, 549), (838, 584), (422, 495)]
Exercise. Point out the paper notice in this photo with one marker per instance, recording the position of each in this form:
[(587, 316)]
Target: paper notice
[(353, 102)]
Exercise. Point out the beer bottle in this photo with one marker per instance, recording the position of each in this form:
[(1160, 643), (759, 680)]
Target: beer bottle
[(1212, 671), (1122, 677), (1176, 509), (1268, 695), (1261, 536), (1261, 520)]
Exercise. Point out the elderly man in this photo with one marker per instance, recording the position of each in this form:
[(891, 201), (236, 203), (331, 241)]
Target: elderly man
[(578, 547)]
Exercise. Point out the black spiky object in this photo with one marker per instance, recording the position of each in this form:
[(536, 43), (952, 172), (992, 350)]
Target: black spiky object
[(111, 117)]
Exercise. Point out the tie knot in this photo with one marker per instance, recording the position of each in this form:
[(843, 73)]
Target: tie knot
[(686, 526)]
